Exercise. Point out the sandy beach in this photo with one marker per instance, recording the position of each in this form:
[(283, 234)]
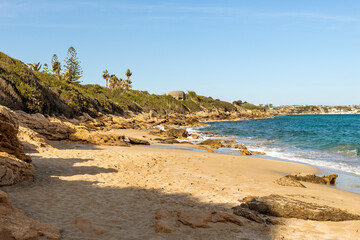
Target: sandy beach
[(109, 192)]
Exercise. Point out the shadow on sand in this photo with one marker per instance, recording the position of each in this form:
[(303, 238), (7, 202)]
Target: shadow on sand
[(116, 213)]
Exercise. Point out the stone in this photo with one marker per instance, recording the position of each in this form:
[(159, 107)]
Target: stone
[(31, 139), (305, 177), (14, 170), (205, 149), (245, 152), (14, 224), (286, 181), (165, 221), (177, 133), (9, 127), (224, 217), (212, 143), (247, 213), (136, 141), (279, 206), (195, 218), (167, 140), (50, 129)]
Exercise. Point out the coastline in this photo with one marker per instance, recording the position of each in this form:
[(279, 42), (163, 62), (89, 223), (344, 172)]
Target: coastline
[(119, 189)]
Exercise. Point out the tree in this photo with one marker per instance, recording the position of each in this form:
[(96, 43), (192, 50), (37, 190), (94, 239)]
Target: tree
[(46, 68), (73, 65), (106, 76), (128, 74), (56, 65), (35, 66), (113, 81), (127, 84)]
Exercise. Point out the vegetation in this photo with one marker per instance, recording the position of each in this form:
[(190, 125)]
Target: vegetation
[(59, 93), (35, 66), (73, 69)]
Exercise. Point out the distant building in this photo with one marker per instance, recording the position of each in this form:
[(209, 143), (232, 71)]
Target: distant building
[(178, 95)]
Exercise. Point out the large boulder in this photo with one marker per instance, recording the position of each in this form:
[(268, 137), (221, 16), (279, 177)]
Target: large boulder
[(177, 133), (217, 143), (14, 224), (279, 206), (14, 170), (178, 95), (43, 126), (9, 127)]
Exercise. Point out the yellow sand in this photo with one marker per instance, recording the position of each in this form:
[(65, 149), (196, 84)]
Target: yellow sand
[(118, 189)]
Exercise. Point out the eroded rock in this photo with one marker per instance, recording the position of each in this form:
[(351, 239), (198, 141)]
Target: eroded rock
[(9, 127), (177, 133), (305, 177), (14, 224), (279, 206), (43, 126), (286, 181), (14, 170)]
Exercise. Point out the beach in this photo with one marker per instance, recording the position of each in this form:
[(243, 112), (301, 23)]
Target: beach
[(112, 192)]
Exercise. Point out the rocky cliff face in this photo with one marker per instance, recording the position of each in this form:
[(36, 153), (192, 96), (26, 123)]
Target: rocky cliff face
[(15, 166)]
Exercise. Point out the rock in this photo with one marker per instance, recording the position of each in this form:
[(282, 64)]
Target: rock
[(247, 213), (279, 206), (31, 139), (43, 126), (305, 177), (177, 133), (212, 143), (167, 140), (165, 221), (14, 170), (14, 224), (194, 136), (245, 152), (205, 149), (224, 217), (195, 218), (85, 225), (100, 138), (256, 153), (286, 181), (9, 127), (232, 144), (137, 141)]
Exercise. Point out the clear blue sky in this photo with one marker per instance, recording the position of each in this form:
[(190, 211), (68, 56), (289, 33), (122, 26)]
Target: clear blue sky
[(261, 51)]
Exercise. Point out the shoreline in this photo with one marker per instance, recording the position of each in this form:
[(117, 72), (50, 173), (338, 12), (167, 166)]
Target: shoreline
[(118, 190)]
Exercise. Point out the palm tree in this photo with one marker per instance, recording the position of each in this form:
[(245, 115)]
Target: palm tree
[(106, 76), (128, 74), (35, 66)]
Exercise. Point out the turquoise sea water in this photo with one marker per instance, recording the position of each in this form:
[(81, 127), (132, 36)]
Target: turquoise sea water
[(329, 142)]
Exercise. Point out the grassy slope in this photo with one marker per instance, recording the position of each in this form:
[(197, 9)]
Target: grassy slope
[(45, 93)]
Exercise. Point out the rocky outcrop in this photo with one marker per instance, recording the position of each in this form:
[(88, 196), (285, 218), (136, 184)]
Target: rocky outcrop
[(167, 221), (290, 182), (31, 139), (205, 149), (14, 224), (279, 206), (217, 143), (105, 138), (177, 133), (43, 126), (312, 178), (14, 170), (9, 128)]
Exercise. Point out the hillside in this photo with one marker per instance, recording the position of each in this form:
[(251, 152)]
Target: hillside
[(32, 92)]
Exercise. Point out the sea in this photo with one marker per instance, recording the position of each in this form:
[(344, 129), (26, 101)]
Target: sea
[(329, 142)]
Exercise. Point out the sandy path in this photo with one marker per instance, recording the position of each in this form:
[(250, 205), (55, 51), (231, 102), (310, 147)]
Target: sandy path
[(117, 190)]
